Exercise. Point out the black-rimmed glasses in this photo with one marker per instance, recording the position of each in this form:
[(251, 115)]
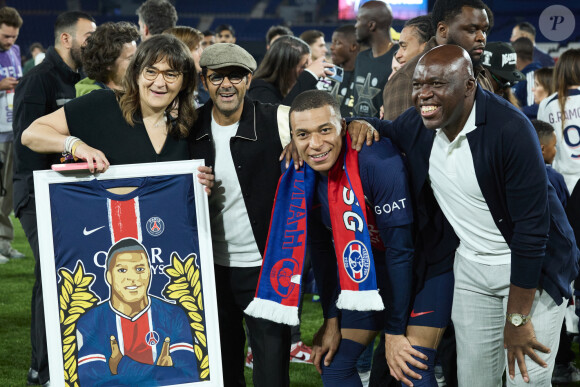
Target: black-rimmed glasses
[(235, 78), (170, 76)]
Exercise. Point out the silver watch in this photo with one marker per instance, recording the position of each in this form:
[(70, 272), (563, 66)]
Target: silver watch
[(517, 319)]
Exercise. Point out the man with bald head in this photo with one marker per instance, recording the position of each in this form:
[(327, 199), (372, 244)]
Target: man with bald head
[(373, 66), (483, 201), (461, 22)]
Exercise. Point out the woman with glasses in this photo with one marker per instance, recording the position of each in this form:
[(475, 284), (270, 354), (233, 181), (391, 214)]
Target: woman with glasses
[(287, 71), (129, 126)]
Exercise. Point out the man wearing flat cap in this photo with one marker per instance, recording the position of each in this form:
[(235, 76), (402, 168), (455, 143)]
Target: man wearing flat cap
[(242, 140)]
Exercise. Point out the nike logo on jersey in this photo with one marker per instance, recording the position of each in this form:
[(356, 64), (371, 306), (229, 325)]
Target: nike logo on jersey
[(413, 314), (89, 232)]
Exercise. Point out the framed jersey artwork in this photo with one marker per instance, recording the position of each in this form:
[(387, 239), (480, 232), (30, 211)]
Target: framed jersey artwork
[(127, 276)]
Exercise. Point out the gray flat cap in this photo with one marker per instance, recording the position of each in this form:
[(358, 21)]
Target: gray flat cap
[(221, 55)]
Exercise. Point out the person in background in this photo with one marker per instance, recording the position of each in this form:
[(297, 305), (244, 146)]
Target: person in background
[(44, 89), (315, 39), (35, 49), (155, 16), (106, 56), (527, 30), (10, 73), (543, 87), (564, 369), (193, 39), (275, 32), (559, 110), (500, 59), (522, 90), (225, 33), (343, 51), (373, 66), (208, 39), (461, 22), (414, 37), (286, 71)]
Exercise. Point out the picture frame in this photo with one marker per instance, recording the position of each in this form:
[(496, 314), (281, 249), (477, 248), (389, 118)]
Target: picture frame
[(127, 276)]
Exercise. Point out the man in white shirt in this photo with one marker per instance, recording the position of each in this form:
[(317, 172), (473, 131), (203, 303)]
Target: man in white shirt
[(515, 251)]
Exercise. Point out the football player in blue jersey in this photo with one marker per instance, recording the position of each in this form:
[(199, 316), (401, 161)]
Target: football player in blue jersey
[(133, 336), (318, 136)]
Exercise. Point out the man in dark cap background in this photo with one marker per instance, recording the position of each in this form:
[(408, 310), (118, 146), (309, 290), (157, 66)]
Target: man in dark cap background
[(242, 140), (500, 59)]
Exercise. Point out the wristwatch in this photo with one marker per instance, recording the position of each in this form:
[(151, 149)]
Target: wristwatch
[(518, 319)]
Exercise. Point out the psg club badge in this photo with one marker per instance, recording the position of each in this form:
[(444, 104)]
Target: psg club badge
[(281, 276), (152, 338), (155, 226), (356, 261)]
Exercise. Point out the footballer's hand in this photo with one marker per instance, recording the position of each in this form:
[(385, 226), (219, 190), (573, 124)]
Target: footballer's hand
[(326, 342), (399, 353), (116, 356), (164, 359)]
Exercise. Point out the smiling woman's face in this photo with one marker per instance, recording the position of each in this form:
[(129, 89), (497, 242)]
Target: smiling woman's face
[(158, 93)]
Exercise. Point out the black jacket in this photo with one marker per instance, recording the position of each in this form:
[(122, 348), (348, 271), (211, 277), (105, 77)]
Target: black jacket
[(255, 152), (43, 90), (263, 91)]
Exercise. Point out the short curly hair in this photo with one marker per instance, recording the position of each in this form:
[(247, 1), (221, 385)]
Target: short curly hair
[(157, 15), (104, 46)]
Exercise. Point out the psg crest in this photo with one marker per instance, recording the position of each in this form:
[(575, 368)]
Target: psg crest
[(281, 276), (356, 261), (155, 226), (152, 338)]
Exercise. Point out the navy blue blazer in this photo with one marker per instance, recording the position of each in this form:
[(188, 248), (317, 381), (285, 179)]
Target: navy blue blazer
[(511, 174)]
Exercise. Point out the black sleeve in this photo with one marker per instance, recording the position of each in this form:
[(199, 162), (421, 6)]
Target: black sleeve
[(306, 81), (264, 92)]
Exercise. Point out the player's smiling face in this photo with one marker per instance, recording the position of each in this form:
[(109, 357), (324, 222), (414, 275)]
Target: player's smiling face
[(318, 135), (129, 277)]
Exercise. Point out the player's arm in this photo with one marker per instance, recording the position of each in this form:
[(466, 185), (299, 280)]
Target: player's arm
[(93, 356), (181, 352)]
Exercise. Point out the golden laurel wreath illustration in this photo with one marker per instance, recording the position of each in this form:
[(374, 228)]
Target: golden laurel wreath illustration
[(74, 300), (185, 287)]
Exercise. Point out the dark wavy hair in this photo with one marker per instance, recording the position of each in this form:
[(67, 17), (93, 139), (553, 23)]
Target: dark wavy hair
[(175, 52), (279, 65), (566, 75), (104, 46)]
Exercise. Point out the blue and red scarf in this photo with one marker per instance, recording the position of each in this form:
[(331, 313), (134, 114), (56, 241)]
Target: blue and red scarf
[(278, 293)]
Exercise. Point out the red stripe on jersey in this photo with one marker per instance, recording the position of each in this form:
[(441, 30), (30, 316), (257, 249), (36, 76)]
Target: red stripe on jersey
[(134, 339), (124, 219), (181, 346), (90, 358)]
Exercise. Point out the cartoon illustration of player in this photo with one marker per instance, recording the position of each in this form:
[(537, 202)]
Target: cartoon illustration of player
[(134, 337)]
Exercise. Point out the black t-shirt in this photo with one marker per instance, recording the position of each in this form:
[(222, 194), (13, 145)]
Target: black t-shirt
[(370, 77), (96, 119)]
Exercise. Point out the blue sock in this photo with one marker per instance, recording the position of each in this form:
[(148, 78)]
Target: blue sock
[(428, 375), (342, 370)]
